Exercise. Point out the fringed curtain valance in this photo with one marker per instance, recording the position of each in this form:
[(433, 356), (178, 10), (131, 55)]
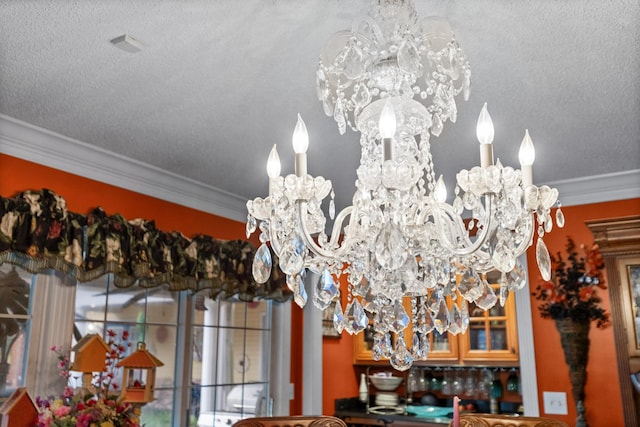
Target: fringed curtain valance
[(37, 233)]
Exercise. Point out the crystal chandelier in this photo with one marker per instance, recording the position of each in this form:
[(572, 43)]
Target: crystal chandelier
[(411, 259)]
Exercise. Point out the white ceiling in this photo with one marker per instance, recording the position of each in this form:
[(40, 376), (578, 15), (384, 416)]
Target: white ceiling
[(220, 81)]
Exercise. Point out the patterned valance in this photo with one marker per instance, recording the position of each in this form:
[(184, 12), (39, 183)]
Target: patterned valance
[(38, 233)]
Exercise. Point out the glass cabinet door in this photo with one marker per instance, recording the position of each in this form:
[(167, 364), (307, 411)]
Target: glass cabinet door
[(443, 346), (492, 334)]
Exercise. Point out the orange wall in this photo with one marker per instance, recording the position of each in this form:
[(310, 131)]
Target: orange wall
[(603, 400)]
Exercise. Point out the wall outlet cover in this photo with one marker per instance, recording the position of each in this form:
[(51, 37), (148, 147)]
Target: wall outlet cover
[(555, 402)]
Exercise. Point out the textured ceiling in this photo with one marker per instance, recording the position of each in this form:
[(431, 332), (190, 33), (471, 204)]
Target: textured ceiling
[(219, 82)]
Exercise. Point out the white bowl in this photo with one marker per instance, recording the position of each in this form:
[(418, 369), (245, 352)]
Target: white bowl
[(385, 383)]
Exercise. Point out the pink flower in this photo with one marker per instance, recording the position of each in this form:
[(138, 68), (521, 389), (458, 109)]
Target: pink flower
[(68, 392), (61, 411)]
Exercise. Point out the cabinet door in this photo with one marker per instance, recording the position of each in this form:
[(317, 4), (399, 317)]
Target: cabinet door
[(443, 346), (492, 334)]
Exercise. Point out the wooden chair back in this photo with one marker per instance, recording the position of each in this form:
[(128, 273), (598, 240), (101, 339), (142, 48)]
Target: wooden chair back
[(292, 421), (494, 420)]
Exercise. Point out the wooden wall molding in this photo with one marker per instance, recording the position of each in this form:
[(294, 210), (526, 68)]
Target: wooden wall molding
[(619, 238)]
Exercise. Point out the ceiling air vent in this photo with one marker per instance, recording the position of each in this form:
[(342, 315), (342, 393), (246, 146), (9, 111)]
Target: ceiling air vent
[(127, 43)]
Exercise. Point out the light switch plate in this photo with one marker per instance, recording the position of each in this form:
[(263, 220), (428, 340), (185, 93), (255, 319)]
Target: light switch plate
[(555, 402)]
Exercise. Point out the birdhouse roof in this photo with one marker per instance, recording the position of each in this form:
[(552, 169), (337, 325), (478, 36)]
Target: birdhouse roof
[(90, 339), (139, 359)]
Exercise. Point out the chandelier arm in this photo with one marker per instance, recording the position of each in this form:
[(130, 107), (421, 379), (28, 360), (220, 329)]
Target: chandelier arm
[(311, 243), (276, 245), (469, 247), (526, 243)]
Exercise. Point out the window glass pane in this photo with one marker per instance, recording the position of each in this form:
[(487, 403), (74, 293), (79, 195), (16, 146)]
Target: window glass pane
[(250, 359), (497, 311), (499, 335), (15, 301), (257, 315), (475, 311), (161, 342), (126, 305), (202, 306), (440, 341), (160, 411), (477, 336), (162, 306), (91, 299)]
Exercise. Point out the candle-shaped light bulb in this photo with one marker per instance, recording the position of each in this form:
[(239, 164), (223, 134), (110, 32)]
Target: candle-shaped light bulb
[(387, 122), (484, 132), (484, 127), (273, 163), (440, 191), (300, 138), (300, 142), (527, 155)]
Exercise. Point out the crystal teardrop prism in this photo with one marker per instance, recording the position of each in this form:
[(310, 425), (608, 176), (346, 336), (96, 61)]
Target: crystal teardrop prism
[(377, 350), (400, 318), (401, 359), (387, 348), (292, 255), (391, 247), (355, 318), (543, 259), (464, 314), (338, 317), (338, 116), (468, 285), (488, 298), (300, 295), (441, 319), (455, 327), (504, 294), (262, 263), (425, 346), (252, 224), (436, 126), (559, 218)]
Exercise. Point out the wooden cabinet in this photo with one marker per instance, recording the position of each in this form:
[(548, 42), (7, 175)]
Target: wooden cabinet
[(492, 338)]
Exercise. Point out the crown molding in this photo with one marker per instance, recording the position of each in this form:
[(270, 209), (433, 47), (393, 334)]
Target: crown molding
[(38, 145), (598, 188)]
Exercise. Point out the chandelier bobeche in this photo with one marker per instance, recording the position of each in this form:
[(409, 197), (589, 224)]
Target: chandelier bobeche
[(394, 79)]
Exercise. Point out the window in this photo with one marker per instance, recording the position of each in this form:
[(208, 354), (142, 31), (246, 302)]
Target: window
[(215, 353), (15, 319), (230, 369)]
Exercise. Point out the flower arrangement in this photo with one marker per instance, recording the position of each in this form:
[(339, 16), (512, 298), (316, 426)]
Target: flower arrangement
[(571, 292), (98, 407)]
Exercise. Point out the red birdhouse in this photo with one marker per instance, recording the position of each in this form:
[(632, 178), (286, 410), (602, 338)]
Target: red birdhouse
[(19, 411)]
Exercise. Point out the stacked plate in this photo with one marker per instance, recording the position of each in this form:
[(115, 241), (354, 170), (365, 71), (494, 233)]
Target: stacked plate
[(387, 399)]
